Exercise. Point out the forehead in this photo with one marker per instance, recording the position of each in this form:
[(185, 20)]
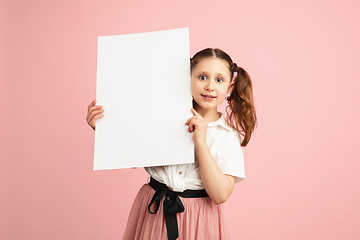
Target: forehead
[(212, 65)]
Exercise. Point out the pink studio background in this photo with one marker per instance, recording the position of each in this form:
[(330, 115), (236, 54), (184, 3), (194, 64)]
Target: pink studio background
[(302, 164)]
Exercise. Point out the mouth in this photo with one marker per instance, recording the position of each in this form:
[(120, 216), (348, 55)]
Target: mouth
[(208, 97)]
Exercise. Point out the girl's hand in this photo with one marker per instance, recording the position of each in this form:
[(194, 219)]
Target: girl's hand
[(197, 125), (94, 113)]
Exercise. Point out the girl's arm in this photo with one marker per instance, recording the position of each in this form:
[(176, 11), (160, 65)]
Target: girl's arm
[(217, 184)]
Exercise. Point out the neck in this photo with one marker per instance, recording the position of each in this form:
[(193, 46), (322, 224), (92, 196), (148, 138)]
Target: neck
[(209, 115)]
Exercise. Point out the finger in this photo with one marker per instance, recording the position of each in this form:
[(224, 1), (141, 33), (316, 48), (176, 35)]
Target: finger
[(98, 111), (94, 109), (195, 120), (92, 104), (92, 122), (188, 121), (94, 113), (195, 113), (192, 118), (191, 128), (193, 124), (91, 116), (98, 116)]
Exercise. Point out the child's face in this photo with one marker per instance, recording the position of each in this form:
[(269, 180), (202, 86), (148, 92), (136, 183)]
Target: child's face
[(210, 82)]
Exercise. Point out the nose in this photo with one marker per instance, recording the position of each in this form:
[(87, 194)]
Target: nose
[(210, 85)]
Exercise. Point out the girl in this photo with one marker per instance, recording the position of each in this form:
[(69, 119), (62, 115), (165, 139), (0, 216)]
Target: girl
[(184, 201)]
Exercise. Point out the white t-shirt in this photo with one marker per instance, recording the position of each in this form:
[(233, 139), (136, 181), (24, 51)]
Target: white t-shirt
[(224, 144)]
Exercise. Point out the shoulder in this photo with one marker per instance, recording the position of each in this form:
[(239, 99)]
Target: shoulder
[(221, 126), (222, 138)]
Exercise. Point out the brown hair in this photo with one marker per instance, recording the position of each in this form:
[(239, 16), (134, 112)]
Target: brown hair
[(241, 114)]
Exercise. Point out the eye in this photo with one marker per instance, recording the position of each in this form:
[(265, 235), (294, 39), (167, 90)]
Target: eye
[(202, 77), (219, 80)]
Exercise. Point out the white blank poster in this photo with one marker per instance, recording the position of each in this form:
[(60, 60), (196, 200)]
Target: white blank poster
[(143, 84)]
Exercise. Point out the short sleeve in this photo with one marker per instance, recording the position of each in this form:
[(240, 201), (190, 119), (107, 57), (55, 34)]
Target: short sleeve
[(232, 161)]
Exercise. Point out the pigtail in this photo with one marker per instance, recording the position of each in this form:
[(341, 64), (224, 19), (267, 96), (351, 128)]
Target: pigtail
[(241, 109)]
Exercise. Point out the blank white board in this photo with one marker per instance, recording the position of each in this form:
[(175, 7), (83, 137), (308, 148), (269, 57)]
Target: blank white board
[(144, 86)]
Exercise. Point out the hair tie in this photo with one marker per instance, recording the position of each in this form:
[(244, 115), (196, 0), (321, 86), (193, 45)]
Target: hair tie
[(234, 67)]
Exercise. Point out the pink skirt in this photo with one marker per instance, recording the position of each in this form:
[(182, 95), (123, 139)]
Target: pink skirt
[(201, 220)]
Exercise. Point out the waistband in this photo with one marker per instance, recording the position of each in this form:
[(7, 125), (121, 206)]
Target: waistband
[(172, 204)]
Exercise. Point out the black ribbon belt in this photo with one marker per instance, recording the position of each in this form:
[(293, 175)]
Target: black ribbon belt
[(172, 204)]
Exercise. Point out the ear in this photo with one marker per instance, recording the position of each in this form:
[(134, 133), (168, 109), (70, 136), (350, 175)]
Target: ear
[(230, 86)]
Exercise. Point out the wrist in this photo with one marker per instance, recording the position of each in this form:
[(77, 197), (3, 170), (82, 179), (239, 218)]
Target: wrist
[(200, 143)]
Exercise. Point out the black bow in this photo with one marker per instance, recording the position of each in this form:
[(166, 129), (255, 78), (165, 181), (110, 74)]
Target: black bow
[(172, 205)]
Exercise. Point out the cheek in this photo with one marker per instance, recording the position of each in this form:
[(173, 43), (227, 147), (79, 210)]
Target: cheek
[(194, 87), (223, 92)]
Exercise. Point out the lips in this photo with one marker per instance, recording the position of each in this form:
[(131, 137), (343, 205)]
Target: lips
[(207, 96)]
